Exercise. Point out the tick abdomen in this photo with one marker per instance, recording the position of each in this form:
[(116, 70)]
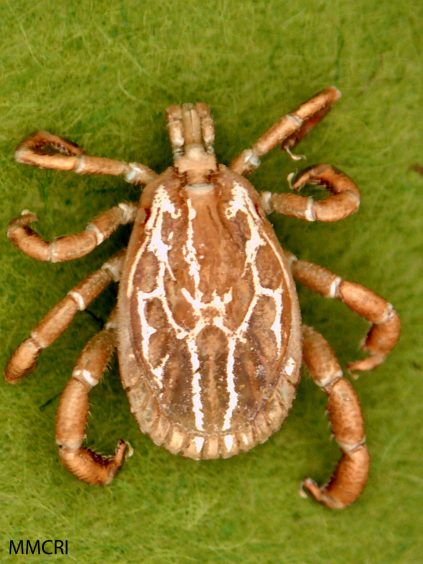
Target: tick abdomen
[(211, 312)]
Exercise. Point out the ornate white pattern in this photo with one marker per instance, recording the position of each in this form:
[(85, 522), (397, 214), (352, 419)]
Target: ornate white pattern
[(206, 313)]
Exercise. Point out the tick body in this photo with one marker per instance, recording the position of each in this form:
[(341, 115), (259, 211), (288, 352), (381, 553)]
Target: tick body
[(207, 325), (214, 324)]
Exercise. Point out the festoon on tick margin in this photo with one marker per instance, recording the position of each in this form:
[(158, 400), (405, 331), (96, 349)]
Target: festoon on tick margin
[(207, 325)]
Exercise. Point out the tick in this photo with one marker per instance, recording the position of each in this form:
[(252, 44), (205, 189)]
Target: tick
[(207, 325)]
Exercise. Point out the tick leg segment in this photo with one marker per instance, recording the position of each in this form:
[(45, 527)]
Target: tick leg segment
[(60, 317), (344, 198), (73, 246), (288, 131), (45, 150), (385, 329), (347, 423), (72, 414)]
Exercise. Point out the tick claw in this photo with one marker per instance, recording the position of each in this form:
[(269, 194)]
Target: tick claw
[(129, 450), (309, 486), (28, 212), (293, 156), (290, 178), (301, 492)]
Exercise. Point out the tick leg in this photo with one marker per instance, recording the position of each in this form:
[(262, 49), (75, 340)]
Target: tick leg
[(344, 198), (73, 246), (60, 317), (45, 150), (347, 423), (385, 329), (288, 131), (72, 414)]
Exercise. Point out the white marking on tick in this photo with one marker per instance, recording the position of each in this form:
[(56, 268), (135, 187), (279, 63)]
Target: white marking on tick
[(146, 333), (333, 290), (199, 188), (266, 202), (78, 299), (190, 252), (86, 376), (330, 378), (128, 212), (153, 234), (80, 165), (241, 202), (290, 366), (196, 385), (229, 442), (113, 269), (206, 313), (99, 235), (199, 443), (389, 313), (252, 158), (133, 174), (309, 212), (295, 119)]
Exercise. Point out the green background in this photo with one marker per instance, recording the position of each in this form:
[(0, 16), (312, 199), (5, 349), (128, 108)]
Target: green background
[(102, 73)]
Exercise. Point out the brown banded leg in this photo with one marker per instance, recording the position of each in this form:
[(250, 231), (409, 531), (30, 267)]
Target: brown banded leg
[(347, 423), (73, 246), (288, 131), (60, 316), (344, 198), (72, 414), (385, 329), (45, 150)]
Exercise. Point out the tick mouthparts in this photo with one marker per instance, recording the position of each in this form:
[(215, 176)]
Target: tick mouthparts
[(190, 127)]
